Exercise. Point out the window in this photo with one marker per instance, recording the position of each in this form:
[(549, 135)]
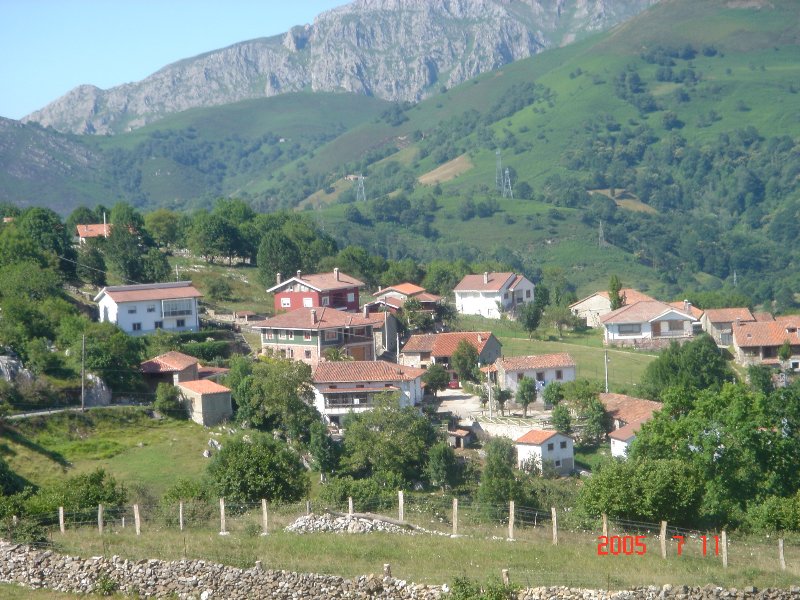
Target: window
[(331, 334), (269, 335), (629, 328), (351, 297), (359, 385), (559, 374), (527, 293), (132, 310), (159, 324), (308, 302), (359, 331), (306, 335), (290, 353), (505, 296), (540, 376), (180, 323), (176, 308), (151, 308), (281, 334), (326, 301), (563, 445), (286, 302), (558, 463), (550, 446), (675, 325), (308, 353), (136, 327), (520, 376)]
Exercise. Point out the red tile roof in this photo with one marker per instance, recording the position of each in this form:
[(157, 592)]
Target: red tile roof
[(763, 316), (444, 344), (322, 282), (729, 315), (540, 361), (767, 333), (363, 371), (629, 295), (407, 289), (641, 312), (93, 230), (693, 310), (150, 291), (326, 318), (475, 283), (170, 362), (536, 437), (627, 408), (203, 386), (626, 432)]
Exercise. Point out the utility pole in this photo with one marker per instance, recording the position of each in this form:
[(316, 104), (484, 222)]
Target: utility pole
[(605, 362), (83, 372)]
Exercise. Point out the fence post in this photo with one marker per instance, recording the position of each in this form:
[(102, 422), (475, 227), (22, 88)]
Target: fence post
[(137, 521), (605, 524), (100, 518), (349, 506), (264, 517), (61, 519), (222, 530), (387, 569), (724, 549), (455, 516), (663, 539), (308, 507), (781, 557), (555, 525), (506, 579), (401, 512), (180, 514), (511, 517)]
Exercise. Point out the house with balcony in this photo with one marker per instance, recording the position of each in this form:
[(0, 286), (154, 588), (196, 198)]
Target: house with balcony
[(591, 308), (492, 294), (352, 386), (647, 324), (318, 290), (147, 308), (394, 297), (306, 333), (425, 349)]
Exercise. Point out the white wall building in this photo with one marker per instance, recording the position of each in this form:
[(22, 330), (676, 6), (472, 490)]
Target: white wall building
[(540, 447), (143, 309), (492, 294), (622, 438), (542, 368)]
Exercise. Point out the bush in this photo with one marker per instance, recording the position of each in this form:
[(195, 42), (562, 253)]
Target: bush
[(197, 506), (367, 494), (207, 350), (78, 493), (168, 402)]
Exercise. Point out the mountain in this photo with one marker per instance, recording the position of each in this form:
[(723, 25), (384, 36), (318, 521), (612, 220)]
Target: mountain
[(398, 50)]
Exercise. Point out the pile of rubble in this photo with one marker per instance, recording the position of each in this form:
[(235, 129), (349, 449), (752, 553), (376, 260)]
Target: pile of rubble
[(328, 523)]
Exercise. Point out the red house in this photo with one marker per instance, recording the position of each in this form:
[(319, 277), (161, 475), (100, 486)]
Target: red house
[(336, 290)]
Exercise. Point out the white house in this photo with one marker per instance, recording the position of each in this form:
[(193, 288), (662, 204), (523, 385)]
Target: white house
[(598, 305), (507, 372), (546, 447), (492, 294), (622, 438), (351, 386), (627, 414), (648, 324), (142, 309)]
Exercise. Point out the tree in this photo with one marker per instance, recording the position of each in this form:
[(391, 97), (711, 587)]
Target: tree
[(598, 422), (530, 315), (498, 481), (760, 378), (560, 317), (263, 467), (168, 402), (436, 379), (526, 394), (614, 295), (91, 265), (785, 351), (337, 354), (45, 228), (123, 254), (465, 361), (324, 450), (442, 469), (561, 419), (553, 393), (111, 354), (277, 253), (211, 235), (501, 397), (154, 267), (163, 225), (219, 289)]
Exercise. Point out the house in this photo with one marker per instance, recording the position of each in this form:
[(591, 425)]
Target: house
[(208, 402), (507, 372), (627, 414), (92, 231), (146, 308), (426, 349), (719, 322), (758, 342), (351, 386), (319, 290), (460, 438), (492, 294), (393, 298), (172, 367), (598, 304), (305, 333), (542, 448), (647, 324)]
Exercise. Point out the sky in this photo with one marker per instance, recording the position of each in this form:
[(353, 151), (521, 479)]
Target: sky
[(48, 47)]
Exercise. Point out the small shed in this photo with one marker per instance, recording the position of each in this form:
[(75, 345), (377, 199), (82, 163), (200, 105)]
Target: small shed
[(245, 315), (172, 367), (208, 402), (460, 438)]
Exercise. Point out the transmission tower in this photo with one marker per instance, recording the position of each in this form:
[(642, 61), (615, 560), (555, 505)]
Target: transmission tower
[(508, 192), (498, 172), (361, 194)]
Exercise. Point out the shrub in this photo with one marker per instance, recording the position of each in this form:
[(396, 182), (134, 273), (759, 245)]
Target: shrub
[(168, 402)]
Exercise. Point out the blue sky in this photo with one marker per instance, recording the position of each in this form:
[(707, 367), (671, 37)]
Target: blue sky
[(48, 47)]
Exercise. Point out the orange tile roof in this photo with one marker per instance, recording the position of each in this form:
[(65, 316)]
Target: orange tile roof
[(641, 312), (203, 386), (407, 289), (536, 437), (629, 296), (322, 282), (444, 344), (150, 291), (475, 283), (168, 363), (763, 316), (693, 310), (540, 361), (93, 230), (627, 408), (626, 432), (767, 333), (363, 371), (729, 315), (326, 318)]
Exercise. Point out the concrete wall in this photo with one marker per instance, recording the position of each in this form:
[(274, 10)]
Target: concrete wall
[(208, 409)]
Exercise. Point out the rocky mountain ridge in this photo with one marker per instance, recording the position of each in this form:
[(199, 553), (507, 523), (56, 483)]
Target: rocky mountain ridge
[(400, 50)]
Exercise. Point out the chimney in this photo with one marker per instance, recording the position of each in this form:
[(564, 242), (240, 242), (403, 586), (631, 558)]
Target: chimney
[(299, 274), (687, 306), (738, 321), (313, 317), (278, 278), (366, 311), (336, 273), (486, 277), (480, 338)]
